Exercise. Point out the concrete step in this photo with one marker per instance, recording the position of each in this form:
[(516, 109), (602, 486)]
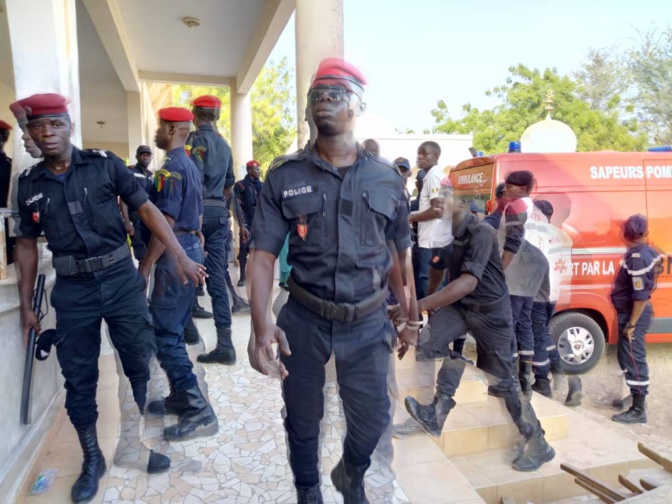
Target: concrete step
[(419, 381)]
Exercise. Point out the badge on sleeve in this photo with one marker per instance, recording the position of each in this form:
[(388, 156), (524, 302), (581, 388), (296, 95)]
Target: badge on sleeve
[(638, 283), (302, 227)]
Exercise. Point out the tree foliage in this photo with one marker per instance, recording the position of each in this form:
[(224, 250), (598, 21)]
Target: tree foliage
[(272, 101), (522, 103)]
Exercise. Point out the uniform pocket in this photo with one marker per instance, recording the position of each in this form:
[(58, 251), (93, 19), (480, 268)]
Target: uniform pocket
[(379, 210), (306, 215)]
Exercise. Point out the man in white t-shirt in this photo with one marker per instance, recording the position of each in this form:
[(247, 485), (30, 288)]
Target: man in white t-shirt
[(433, 230)]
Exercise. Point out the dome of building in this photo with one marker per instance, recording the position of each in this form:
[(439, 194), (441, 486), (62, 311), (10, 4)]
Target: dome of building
[(549, 135)]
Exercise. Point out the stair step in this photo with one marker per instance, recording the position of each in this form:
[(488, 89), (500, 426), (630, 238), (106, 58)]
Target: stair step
[(419, 383)]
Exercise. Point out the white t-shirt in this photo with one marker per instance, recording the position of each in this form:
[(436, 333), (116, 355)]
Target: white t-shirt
[(436, 232)]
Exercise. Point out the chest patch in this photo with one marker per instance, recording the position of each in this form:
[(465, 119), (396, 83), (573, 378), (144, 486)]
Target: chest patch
[(34, 199), (297, 191)]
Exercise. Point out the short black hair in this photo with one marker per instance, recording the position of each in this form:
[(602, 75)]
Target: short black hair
[(522, 178), (207, 114), (433, 146), (499, 191), (4, 135)]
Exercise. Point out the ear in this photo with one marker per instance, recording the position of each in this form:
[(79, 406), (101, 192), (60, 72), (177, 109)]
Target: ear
[(361, 109)]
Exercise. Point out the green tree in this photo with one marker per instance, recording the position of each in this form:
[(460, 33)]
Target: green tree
[(650, 63), (602, 79), (521, 103), (272, 101)]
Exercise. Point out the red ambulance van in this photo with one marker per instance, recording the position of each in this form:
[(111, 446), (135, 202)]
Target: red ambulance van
[(592, 194)]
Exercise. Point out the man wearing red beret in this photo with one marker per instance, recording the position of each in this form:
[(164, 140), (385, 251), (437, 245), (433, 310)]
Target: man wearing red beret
[(5, 164), (346, 214), (247, 192), (71, 196), (212, 156), (28, 144)]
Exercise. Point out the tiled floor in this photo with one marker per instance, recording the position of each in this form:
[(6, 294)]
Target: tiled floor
[(246, 462)]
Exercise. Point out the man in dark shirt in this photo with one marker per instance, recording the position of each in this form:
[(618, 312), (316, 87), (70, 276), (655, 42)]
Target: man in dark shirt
[(5, 164), (475, 301), (344, 210), (72, 197), (494, 218), (635, 281), (140, 169), (177, 193), (247, 193)]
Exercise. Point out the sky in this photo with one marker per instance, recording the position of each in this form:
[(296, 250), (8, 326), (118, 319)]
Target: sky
[(415, 53)]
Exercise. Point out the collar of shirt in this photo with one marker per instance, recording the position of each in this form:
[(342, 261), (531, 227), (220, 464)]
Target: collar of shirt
[(207, 127), (176, 152), (466, 226), (41, 170), (314, 155)]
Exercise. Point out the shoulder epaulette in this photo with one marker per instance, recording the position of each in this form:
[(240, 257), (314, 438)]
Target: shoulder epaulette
[(281, 160), (383, 162), (96, 152)]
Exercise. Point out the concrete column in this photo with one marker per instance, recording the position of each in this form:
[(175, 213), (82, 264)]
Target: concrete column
[(319, 35), (241, 132), (135, 122)]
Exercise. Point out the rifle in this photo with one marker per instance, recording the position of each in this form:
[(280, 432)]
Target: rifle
[(30, 353)]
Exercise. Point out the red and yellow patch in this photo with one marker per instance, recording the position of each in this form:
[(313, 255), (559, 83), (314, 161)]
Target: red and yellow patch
[(164, 178), (199, 152)]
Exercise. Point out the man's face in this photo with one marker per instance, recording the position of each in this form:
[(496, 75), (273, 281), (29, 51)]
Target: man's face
[(30, 146), (330, 106), (162, 136), (512, 191), (51, 135), (144, 159), (426, 158), (254, 171)]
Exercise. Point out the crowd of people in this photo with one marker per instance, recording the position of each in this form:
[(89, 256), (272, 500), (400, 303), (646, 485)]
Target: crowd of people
[(366, 268)]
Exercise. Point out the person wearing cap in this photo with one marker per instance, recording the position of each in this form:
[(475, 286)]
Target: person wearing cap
[(71, 196), (247, 193), (28, 143), (523, 238), (495, 217), (344, 210), (430, 210), (476, 210), (143, 157), (371, 146), (630, 296), (212, 156), (475, 301), (177, 193), (403, 165)]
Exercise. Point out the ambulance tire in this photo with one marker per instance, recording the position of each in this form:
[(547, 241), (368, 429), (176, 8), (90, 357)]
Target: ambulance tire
[(590, 333)]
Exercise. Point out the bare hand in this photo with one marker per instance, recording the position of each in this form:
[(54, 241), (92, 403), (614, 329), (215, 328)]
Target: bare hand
[(408, 338), (629, 333), (201, 238), (144, 270), (130, 230), (189, 270), (244, 235), (261, 352), (29, 321)]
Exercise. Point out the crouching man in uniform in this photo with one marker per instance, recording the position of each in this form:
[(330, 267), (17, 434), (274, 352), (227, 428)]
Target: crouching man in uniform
[(477, 301)]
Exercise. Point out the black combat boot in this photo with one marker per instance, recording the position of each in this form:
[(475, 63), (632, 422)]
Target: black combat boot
[(636, 413), (224, 352), (174, 404), (191, 334), (241, 280), (93, 468), (239, 304), (574, 391), (197, 311), (198, 420), (621, 404), (200, 291), (349, 481), (542, 386), (537, 452), (312, 495), (432, 416), (525, 377)]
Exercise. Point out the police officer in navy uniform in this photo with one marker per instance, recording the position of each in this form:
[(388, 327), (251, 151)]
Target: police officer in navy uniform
[(177, 193), (212, 156), (477, 301), (635, 281), (143, 156), (72, 197), (247, 192), (341, 206), (5, 178)]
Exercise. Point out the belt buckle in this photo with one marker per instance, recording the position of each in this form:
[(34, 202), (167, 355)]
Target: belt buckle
[(84, 265), (110, 258)]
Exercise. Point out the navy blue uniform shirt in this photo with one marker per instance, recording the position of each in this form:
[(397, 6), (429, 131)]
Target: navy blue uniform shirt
[(78, 211), (636, 278), (247, 191), (146, 182), (177, 191), (474, 250), (338, 224), (212, 156)]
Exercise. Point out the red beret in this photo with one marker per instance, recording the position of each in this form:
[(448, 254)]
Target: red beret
[(207, 101), (5, 126), (335, 71), (46, 104), (18, 111), (176, 114), (252, 163)]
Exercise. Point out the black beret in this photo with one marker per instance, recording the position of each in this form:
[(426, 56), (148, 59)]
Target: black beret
[(499, 192), (635, 227), (520, 178)]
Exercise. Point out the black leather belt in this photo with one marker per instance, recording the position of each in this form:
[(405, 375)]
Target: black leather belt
[(342, 312), (68, 265)]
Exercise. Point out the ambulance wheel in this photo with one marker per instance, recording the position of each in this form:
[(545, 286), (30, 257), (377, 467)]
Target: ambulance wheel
[(579, 340)]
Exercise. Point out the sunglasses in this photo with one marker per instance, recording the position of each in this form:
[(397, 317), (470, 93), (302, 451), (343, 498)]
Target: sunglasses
[(335, 94)]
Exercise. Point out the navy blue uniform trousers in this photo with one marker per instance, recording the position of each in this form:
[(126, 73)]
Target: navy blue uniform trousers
[(116, 294), (362, 350), (544, 347), (521, 310), (632, 354), (171, 309), (216, 231)]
